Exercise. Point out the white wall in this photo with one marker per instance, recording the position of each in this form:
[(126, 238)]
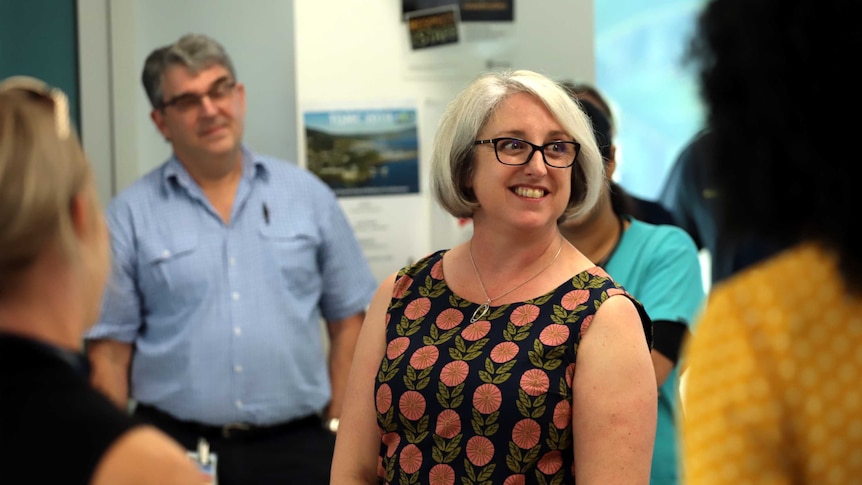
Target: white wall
[(356, 52)]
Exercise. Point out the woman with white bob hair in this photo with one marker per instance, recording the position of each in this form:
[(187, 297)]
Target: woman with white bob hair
[(510, 358)]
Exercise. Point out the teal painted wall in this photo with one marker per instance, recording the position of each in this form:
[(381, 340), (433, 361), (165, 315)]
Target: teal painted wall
[(39, 38)]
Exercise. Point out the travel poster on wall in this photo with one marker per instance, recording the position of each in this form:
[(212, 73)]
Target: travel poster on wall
[(362, 152)]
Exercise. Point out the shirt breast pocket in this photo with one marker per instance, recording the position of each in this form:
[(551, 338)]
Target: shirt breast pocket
[(293, 251), (170, 271)]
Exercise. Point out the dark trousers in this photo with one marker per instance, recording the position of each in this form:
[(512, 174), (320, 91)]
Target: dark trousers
[(297, 453)]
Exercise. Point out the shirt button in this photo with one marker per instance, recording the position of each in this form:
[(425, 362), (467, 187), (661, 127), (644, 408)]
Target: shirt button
[(237, 368), (238, 403), (235, 296), (232, 261), (237, 331), (166, 254)]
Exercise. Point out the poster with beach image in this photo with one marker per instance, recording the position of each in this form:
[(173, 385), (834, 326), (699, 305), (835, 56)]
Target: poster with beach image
[(361, 152)]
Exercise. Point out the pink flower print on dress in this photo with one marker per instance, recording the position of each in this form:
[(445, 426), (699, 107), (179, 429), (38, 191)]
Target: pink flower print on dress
[(437, 270), (424, 357), (480, 450), (572, 299), (441, 474), (570, 374), (586, 324), (449, 319), (383, 399), (487, 398), (554, 335), (518, 479), (504, 352), (401, 286), (475, 331), (525, 314), (397, 347), (562, 414), (391, 440), (551, 462), (448, 424), (526, 433), (412, 405), (417, 308), (411, 458), (535, 382), (454, 373)]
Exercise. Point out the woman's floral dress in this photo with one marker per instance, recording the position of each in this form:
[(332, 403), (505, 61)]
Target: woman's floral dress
[(488, 402)]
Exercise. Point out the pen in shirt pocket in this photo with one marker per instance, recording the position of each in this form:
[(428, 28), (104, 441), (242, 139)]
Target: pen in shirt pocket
[(265, 214)]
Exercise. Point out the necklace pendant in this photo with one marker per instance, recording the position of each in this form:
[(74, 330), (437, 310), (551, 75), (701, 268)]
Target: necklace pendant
[(480, 312)]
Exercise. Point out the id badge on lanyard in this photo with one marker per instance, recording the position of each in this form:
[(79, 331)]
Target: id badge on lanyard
[(206, 462)]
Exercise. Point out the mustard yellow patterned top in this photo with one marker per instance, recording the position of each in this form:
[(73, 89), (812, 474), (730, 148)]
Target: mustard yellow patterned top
[(773, 393)]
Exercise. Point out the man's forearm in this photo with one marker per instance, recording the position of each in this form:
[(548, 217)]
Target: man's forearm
[(109, 361), (343, 335)]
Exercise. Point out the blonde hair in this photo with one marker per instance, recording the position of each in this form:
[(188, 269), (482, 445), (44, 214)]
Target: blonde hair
[(42, 167), (452, 157)]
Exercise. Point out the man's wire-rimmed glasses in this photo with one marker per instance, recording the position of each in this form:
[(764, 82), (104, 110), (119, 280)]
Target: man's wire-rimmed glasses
[(515, 151), (220, 90)]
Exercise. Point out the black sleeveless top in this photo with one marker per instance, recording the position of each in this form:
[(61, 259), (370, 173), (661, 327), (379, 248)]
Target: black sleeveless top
[(54, 428)]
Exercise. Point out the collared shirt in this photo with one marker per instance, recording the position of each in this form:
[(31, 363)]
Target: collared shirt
[(226, 318)]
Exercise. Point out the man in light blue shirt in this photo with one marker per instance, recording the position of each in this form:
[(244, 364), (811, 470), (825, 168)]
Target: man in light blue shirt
[(225, 261)]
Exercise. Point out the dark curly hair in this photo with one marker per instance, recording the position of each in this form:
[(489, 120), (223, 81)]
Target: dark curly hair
[(776, 104), (599, 112)]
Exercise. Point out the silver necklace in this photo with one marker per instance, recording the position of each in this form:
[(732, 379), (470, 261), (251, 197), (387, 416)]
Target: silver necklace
[(485, 308)]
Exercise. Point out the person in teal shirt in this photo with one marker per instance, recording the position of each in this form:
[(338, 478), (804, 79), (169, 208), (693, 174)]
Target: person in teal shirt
[(660, 267)]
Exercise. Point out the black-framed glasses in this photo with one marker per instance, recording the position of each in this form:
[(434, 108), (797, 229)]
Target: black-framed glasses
[(515, 151), (55, 96), (220, 90)]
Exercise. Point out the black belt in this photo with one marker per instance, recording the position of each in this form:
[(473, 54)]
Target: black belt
[(230, 431)]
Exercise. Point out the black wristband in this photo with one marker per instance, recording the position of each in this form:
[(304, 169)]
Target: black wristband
[(668, 337)]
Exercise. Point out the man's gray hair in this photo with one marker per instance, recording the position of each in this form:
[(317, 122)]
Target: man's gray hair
[(194, 51)]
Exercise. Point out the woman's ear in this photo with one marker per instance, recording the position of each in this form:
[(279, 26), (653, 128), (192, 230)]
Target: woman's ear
[(81, 215), (611, 163)]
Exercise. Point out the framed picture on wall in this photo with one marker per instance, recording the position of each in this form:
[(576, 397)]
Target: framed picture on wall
[(364, 152), (471, 10), (433, 27)]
